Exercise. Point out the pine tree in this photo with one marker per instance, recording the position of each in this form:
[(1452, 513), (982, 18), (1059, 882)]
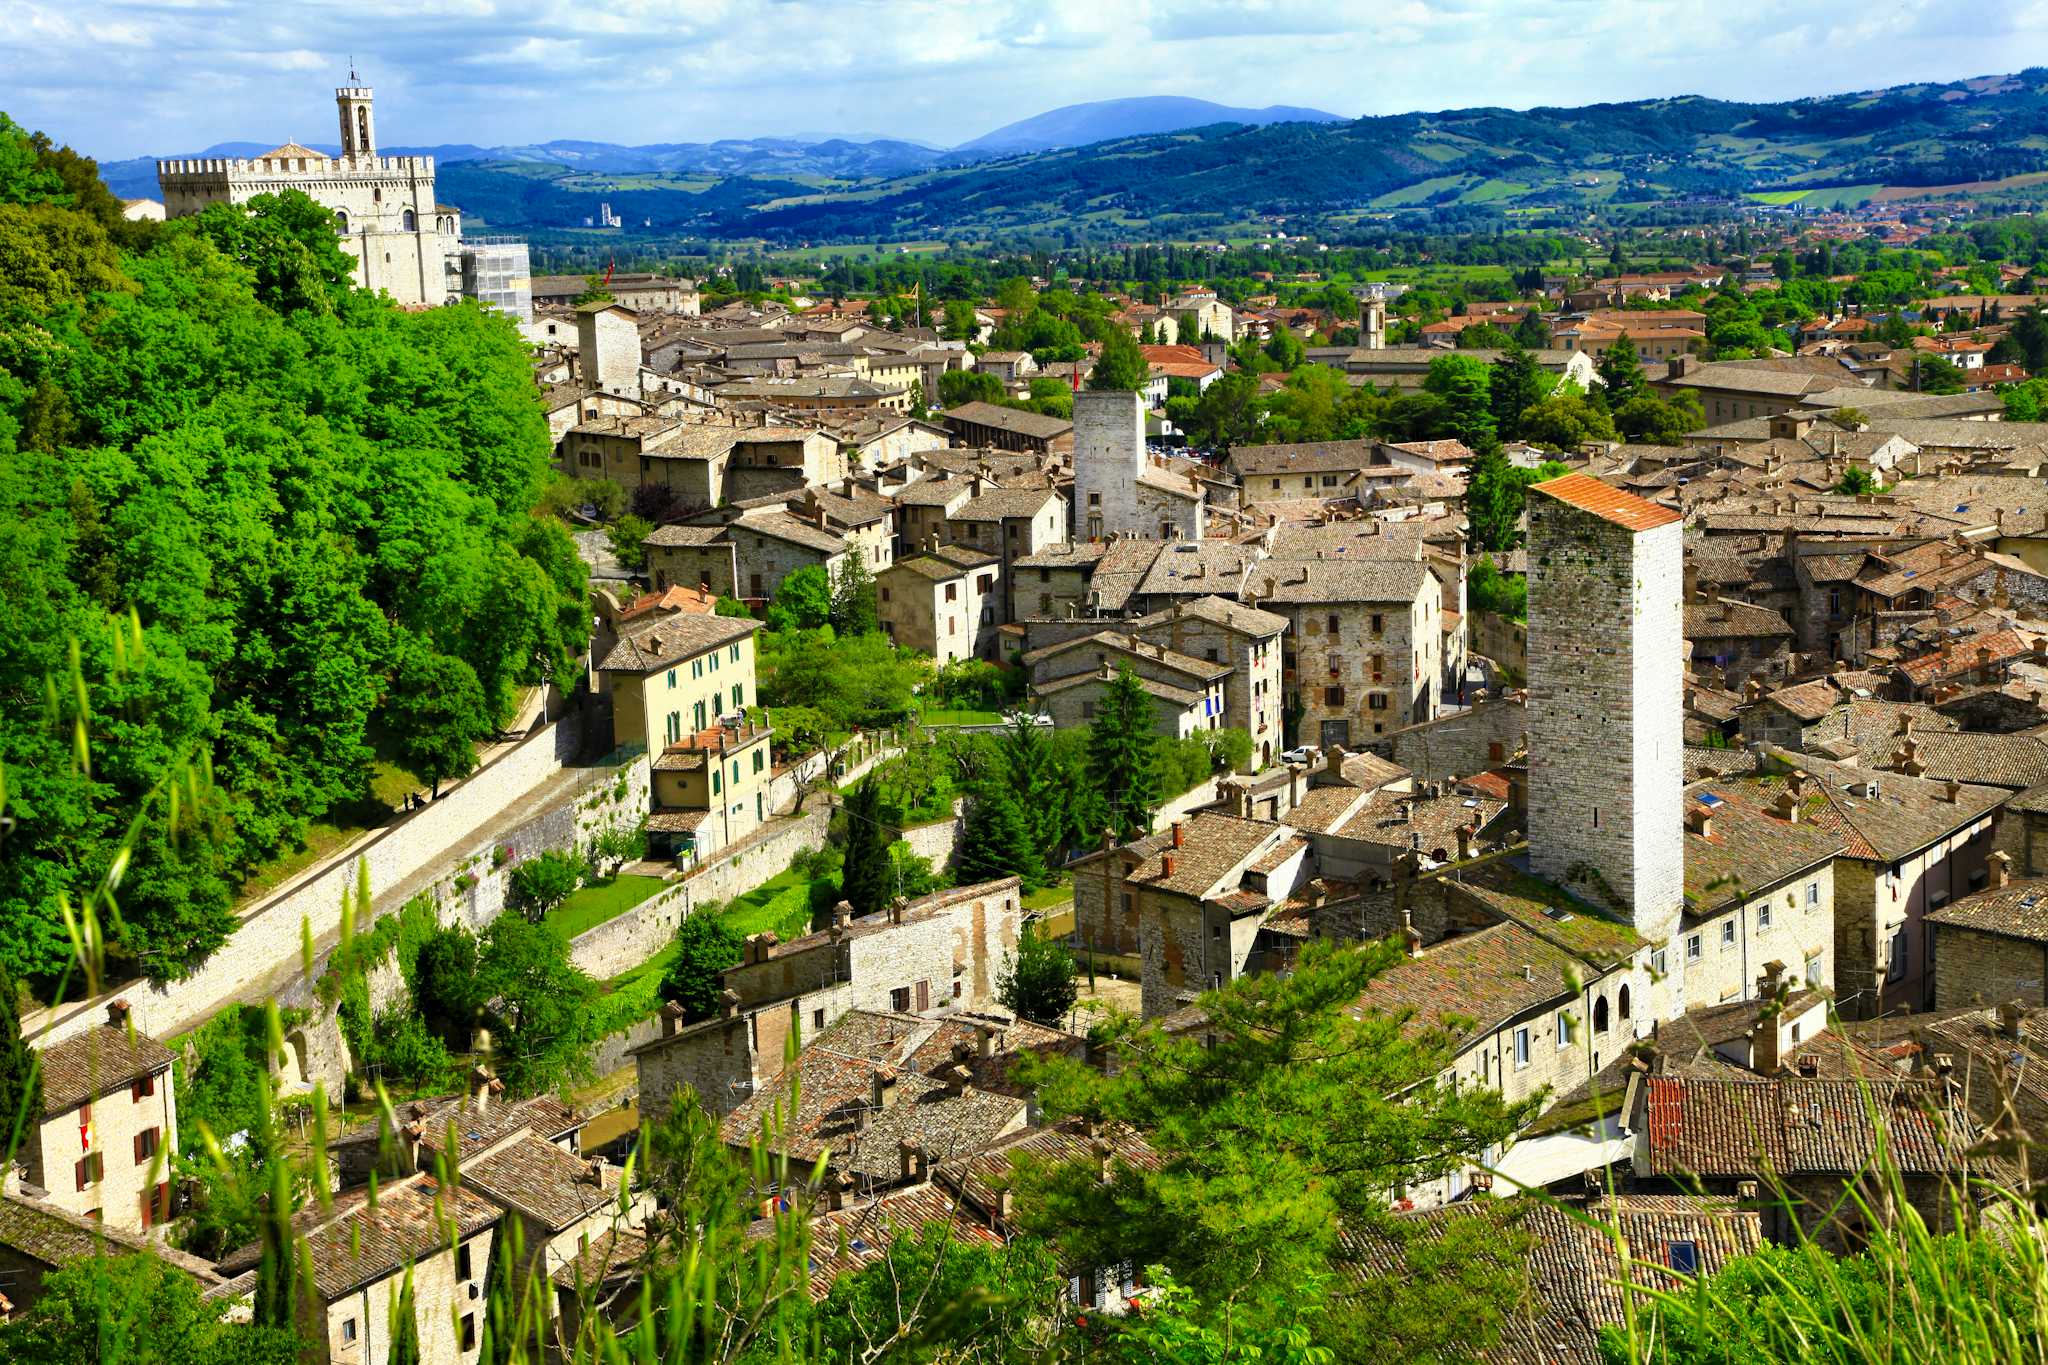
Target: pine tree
[(865, 879), (1123, 753), (997, 841), (21, 1081), (1028, 756), (1530, 331), (1515, 386)]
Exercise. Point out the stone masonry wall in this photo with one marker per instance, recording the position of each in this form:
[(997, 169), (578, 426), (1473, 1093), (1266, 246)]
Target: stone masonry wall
[(266, 946), (1461, 744), (1986, 969)]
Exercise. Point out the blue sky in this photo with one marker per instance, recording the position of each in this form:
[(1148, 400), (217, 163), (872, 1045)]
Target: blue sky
[(120, 78)]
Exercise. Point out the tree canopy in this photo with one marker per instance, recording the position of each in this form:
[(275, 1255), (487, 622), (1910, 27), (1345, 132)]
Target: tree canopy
[(283, 524)]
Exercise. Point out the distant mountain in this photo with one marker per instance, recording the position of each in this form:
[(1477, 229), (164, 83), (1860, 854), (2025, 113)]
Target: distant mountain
[(831, 158), (1077, 125)]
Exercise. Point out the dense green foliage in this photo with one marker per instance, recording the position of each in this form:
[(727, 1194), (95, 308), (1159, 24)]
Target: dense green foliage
[(704, 947), (139, 1309), (1283, 1120), (1123, 751), (1037, 981), (866, 878), (21, 1082), (280, 521)]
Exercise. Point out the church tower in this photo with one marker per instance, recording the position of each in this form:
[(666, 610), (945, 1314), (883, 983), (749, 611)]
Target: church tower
[(358, 125), (1606, 699)]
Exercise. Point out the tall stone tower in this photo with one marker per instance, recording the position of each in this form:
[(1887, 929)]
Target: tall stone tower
[(1372, 324), (1109, 455), (358, 122), (1606, 699)]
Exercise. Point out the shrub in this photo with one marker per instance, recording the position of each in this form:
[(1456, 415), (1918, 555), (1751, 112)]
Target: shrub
[(540, 884)]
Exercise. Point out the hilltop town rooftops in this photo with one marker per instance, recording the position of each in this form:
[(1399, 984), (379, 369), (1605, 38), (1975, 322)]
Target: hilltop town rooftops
[(1796, 1125), (2016, 910), (1033, 424), (1607, 502)]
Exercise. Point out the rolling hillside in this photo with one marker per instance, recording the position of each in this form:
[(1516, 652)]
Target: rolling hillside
[(1839, 149), (1077, 125)]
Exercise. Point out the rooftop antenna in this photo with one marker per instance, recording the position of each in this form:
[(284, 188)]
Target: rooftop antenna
[(353, 79)]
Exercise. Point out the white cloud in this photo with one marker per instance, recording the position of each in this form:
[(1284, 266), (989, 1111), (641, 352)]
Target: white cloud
[(178, 75)]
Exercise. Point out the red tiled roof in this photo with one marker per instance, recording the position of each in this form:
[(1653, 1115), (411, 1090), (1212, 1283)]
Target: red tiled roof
[(1588, 494)]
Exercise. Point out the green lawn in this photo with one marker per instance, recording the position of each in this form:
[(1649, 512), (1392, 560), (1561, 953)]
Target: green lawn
[(782, 903), (962, 718), (591, 905), (1059, 893)]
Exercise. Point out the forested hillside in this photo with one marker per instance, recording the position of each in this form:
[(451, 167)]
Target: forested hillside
[(253, 524)]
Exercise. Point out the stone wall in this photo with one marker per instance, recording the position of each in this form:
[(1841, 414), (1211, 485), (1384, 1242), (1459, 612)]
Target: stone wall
[(938, 841), (1459, 745), (1495, 637), (265, 949), (1986, 969), (625, 941), (738, 870)]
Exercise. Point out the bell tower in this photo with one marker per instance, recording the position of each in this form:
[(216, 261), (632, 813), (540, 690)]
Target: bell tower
[(358, 124)]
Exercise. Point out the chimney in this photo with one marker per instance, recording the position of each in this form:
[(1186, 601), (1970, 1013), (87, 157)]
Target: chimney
[(838, 1185), (1786, 807), (896, 905), (988, 1040), (1702, 821), (1101, 1152), (912, 1159), (729, 1004), (2001, 868), (1002, 1208), (1952, 792), (1166, 866), (2009, 1018), (1411, 935), (1178, 827), (1751, 691), (592, 1173), (1528, 972), (956, 1078), (481, 1084), (1466, 834), (118, 1014), (885, 1089), (671, 1019)]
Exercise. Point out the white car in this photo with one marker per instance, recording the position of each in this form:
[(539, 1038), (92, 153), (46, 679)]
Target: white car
[(1301, 755), (1042, 722)]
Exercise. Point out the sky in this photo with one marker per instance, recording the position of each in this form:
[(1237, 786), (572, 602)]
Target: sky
[(122, 78)]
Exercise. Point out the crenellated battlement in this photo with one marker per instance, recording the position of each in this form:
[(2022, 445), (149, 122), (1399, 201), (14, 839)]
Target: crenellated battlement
[(325, 168)]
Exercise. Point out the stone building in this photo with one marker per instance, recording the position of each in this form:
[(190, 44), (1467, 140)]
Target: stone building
[(404, 242), (1251, 641), (1364, 645), (1991, 947), (945, 601), (1606, 696), (360, 1253), (939, 953), (1119, 490), (1009, 523), (1068, 680), (608, 348), (103, 1144), (37, 1239), (643, 293), (1001, 428)]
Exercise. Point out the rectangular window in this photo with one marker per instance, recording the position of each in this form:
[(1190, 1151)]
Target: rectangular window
[(758, 759), (348, 1331), (469, 1331), (1692, 948), (1332, 627), (88, 1169), (899, 1000), (1812, 894), (952, 592), (1564, 1030), (817, 1019), (143, 1088), (1379, 623), (1376, 702), (462, 1265), (1333, 696), (1657, 962), (716, 773), (738, 697), (1685, 1257), (145, 1145), (671, 677), (733, 653), (1728, 934), (1895, 970), (1521, 1047), (1763, 917)]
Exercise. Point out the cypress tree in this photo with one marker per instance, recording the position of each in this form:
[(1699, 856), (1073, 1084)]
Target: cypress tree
[(865, 878), (998, 842), (1123, 751)]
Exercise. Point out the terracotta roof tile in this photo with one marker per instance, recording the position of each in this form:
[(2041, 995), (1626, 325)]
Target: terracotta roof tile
[(1588, 494)]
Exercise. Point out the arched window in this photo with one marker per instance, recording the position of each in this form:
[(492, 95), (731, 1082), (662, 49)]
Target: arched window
[(362, 130), (341, 221), (410, 220), (1600, 1015), (1621, 1004)]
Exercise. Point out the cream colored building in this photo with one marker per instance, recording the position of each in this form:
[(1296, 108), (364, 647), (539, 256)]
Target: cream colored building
[(404, 241), (677, 675), (943, 601), (109, 1125)]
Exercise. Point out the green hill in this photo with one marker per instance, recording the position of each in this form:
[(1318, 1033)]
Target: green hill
[(1980, 131)]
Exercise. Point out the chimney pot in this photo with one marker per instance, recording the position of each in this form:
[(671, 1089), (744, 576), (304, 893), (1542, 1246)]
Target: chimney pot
[(1178, 827)]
